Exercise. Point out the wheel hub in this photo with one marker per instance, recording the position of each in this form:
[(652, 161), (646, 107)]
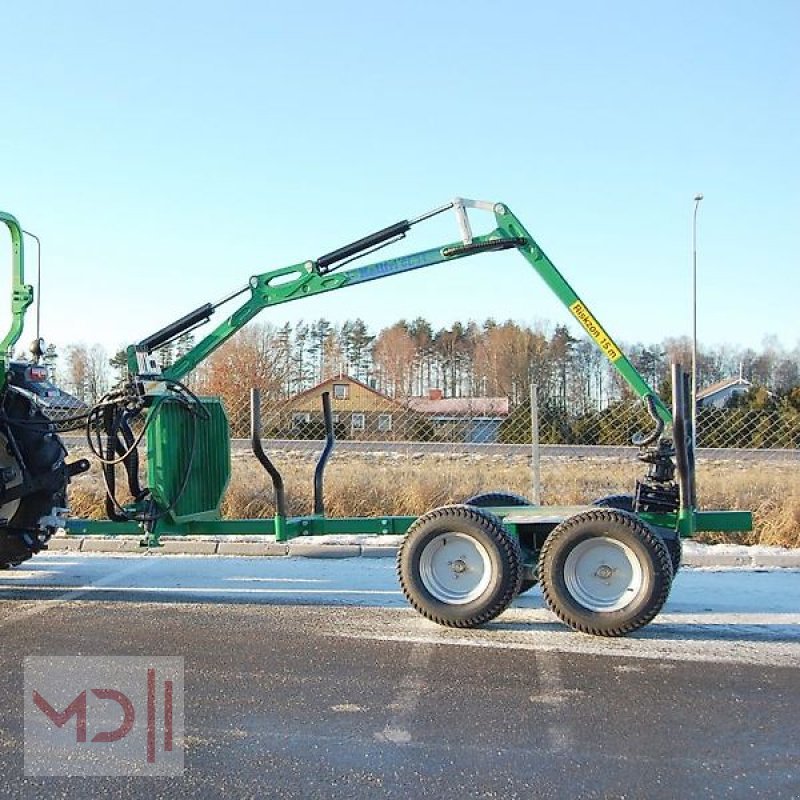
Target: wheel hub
[(455, 568), (603, 574)]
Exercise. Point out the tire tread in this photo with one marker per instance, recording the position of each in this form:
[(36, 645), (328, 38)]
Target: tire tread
[(506, 543), (638, 529)]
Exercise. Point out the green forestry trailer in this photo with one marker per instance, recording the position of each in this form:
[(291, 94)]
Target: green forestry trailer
[(604, 568)]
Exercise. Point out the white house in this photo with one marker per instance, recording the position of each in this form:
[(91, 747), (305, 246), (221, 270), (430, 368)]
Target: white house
[(719, 394)]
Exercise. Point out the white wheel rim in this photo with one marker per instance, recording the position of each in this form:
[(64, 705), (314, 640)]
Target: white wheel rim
[(455, 568), (603, 574)]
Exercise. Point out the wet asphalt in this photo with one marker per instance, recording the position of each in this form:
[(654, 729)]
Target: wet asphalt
[(333, 699)]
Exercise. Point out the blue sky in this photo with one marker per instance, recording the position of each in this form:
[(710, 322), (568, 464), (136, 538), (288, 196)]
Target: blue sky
[(166, 151)]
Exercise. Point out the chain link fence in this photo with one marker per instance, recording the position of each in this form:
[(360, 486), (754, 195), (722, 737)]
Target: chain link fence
[(473, 423), (408, 456)]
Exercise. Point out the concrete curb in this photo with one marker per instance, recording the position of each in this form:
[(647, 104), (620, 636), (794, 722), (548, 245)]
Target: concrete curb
[(722, 556)]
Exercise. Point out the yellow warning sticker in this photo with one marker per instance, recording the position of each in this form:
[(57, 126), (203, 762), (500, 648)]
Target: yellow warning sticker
[(595, 330)]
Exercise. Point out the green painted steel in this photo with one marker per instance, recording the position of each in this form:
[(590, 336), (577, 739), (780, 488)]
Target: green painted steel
[(188, 458), (687, 523), (101, 527), (364, 526), (298, 527), (21, 293), (724, 521), (302, 280), (537, 258), (293, 527)]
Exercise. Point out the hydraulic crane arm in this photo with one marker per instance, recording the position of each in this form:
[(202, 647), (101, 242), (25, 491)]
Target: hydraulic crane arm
[(536, 257), (326, 273)]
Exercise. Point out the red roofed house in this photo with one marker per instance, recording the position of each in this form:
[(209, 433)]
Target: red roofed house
[(465, 419), (363, 413)]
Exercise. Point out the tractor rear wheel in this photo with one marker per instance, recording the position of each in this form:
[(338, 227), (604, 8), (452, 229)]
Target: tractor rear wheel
[(605, 572), (42, 451), (458, 566)]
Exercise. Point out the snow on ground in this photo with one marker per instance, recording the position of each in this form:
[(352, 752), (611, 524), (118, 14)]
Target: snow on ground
[(729, 615)]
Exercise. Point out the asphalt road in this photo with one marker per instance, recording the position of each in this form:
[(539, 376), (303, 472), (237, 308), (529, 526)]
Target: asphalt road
[(311, 679)]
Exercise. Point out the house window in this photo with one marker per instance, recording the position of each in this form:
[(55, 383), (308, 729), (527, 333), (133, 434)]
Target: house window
[(357, 422), (300, 418), (384, 423), (341, 391), (335, 419)]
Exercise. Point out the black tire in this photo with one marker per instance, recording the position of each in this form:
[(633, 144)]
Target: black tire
[(482, 552), (675, 549), (632, 587), (501, 498), (13, 553), (43, 454), (624, 502)]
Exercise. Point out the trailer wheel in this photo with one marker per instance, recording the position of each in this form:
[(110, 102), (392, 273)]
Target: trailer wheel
[(605, 572), (503, 498), (458, 566), (627, 502), (674, 547), (624, 502), (500, 498)]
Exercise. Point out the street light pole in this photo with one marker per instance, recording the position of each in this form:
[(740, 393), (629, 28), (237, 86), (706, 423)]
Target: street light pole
[(697, 198)]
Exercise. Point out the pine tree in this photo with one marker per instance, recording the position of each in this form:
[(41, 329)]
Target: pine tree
[(318, 334), (119, 363), (299, 357), (561, 352), (166, 355), (358, 353), (283, 342)]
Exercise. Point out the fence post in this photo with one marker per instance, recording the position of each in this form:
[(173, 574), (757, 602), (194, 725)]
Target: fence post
[(536, 485)]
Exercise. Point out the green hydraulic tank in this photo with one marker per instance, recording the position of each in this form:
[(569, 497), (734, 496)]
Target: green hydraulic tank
[(189, 458)]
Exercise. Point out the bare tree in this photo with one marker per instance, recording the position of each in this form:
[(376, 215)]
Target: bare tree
[(87, 371), (393, 354)]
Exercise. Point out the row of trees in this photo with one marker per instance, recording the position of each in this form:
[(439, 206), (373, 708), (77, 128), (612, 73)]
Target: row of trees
[(582, 399), (492, 359)]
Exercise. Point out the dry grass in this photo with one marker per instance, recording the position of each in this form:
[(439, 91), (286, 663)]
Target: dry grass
[(374, 484)]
